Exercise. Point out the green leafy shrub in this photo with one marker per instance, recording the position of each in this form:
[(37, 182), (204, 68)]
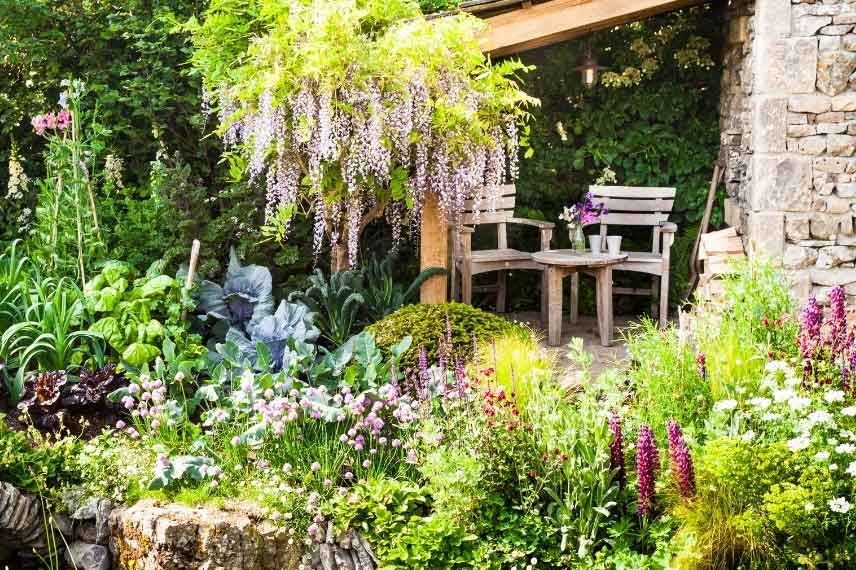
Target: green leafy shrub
[(35, 466), (426, 324), (405, 532)]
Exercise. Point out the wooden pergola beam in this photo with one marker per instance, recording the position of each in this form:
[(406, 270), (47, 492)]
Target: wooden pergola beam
[(556, 21)]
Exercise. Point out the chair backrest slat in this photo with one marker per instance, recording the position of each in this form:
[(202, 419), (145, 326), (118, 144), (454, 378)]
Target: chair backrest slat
[(632, 205), (634, 219), (635, 206), (632, 192), (494, 206)]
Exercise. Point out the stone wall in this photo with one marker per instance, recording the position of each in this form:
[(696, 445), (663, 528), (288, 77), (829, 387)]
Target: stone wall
[(789, 137)]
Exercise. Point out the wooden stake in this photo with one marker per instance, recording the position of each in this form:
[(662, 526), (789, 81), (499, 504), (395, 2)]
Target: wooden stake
[(718, 175), (194, 260)]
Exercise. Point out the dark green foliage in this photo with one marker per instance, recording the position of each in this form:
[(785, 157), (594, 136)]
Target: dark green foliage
[(382, 294), (335, 301), (427, 325), (35, 467)]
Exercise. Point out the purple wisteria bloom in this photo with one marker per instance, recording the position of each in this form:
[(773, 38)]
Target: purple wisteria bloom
[(681, 460), (647, 461), (616, 449)]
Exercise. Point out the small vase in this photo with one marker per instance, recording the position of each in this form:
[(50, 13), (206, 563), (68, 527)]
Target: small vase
[(578, 238)]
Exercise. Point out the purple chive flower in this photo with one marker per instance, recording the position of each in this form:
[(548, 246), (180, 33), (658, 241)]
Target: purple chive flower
[(616, 449), (316, 467), (236, 441), (647, 460), (681, 460)]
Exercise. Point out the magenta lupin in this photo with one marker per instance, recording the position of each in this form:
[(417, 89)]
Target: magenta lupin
[(616, 449), (681, 460), (647, 461)]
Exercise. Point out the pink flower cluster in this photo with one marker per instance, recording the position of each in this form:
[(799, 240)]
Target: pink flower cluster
[(51, 121), (616, 449)]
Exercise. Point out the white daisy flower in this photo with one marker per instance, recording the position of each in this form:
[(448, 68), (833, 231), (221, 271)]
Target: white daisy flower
[(725, 405), (798, 443), (840, 505), (834, 396)]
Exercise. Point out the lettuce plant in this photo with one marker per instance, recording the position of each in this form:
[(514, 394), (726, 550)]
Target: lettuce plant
[(245, 296)]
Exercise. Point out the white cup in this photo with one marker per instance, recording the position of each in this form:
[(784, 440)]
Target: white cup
[(595, 241), (614, 244)]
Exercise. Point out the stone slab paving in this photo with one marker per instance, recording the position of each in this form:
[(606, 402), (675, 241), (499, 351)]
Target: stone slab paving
[(604, 358)]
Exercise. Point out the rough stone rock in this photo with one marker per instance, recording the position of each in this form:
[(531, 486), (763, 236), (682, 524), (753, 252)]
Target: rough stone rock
[(841, 145), (813, 146), (809, 104), (809, 25), (770, 124), (21, 520), (799, 131), (797, 227), (797, 257), (102, 521), (831, 128), (788, 65), (847, 190), (848, 42), (833, 71), (782, 183), (177, 537), (832, 277), (834, 255), (83, 556), (844, 102), (824, 226), (767, 235), (836, 30)]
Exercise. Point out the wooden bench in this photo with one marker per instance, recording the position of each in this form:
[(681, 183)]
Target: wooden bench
[(496, 208), (639, 206)]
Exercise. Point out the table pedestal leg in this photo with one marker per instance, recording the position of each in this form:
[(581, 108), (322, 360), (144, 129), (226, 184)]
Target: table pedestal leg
[(554, 309), (604, 305)]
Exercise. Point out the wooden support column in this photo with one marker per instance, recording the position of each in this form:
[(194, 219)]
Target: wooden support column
[(433, 250)]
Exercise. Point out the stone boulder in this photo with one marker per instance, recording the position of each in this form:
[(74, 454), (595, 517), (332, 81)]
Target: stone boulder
[(21, 521), (149, 536)]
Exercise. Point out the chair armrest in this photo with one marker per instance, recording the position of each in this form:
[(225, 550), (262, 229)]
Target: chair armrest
[(533, 223), (466, 230), (668, 227)]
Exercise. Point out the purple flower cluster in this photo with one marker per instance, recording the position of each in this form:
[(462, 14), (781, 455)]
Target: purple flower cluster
[(647, 462), (701, 364), (585, 212), (681, 460), (811, 321), (616, 449)]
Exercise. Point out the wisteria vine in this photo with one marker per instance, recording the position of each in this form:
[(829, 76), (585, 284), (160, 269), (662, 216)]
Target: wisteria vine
[(374, 144)]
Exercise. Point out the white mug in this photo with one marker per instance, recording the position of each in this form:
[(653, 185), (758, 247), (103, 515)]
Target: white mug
[(614, 244), (595, 242)]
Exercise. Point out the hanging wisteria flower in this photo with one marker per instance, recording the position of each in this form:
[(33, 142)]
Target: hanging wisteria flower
[(681, 460), (354, 137), (647, 461)]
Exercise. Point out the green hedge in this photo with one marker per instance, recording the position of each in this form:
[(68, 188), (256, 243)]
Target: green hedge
[(427, 325)]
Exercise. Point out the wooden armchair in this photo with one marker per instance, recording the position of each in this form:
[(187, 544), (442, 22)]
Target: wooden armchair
[(639, 206), (499, 210)]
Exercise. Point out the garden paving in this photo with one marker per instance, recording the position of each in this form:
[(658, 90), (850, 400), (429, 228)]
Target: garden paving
[(603, 358)]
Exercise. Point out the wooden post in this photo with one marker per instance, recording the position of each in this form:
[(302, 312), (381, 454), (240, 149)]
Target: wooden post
[(433, 250)]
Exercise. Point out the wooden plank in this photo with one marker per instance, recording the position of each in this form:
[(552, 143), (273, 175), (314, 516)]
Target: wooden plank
[(486, 218), (633, 192), (634, 219), (434, 250), (501, 190), (485, 204), (560, 20), (637, 205)]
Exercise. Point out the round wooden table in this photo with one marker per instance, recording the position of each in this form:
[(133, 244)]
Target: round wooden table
[(558, 264)]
